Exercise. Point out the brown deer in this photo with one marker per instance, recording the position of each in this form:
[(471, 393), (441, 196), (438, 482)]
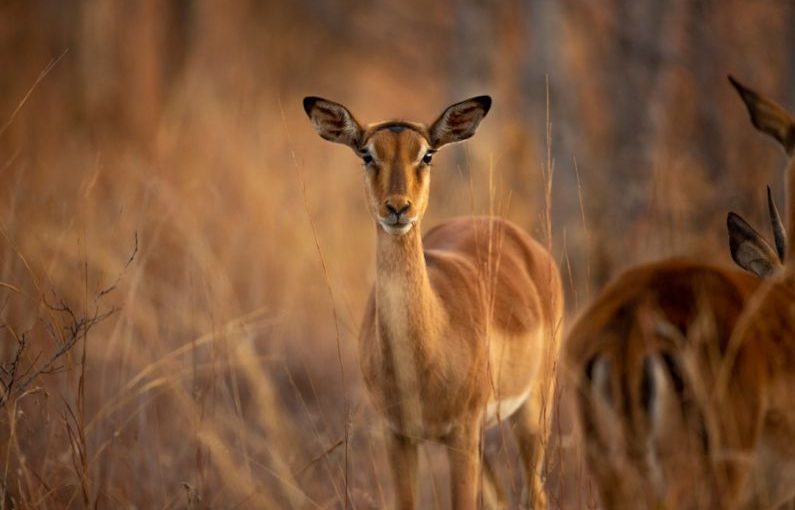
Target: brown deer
[(641, 414), (648, 358), (462, 324), (755, 386)]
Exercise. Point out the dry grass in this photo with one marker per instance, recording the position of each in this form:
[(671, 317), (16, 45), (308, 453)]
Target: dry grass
[(228, 377)]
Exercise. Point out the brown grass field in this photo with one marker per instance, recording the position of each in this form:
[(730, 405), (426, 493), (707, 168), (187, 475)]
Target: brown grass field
[(184, 263)]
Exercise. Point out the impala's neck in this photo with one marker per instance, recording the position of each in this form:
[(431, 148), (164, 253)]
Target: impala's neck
[(407, 309), (790, 187), (407, 320)]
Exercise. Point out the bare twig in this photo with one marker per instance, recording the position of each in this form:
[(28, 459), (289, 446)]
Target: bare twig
[(323, 455), (112, 287), (63, 326)]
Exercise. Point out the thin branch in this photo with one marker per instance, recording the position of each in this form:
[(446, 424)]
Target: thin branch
[(112, 287), (27, 95), (320, 457), (64, 327)]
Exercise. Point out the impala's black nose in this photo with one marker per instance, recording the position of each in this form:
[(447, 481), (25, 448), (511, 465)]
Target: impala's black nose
[(398, 209), (397, 205)]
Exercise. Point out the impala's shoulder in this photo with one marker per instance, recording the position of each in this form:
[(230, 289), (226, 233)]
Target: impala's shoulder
[(476, 232), (467, 226)]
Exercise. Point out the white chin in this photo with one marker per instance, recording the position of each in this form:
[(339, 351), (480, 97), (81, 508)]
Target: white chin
[(397, 230)]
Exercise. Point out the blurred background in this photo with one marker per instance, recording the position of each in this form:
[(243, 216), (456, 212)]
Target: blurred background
[(184, 262)]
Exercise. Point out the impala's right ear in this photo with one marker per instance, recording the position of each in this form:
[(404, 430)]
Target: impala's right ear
[(749, 249), (333, 121), (767, 116)]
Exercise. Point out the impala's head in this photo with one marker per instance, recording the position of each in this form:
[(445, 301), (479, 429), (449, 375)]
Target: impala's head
[(396, 155)]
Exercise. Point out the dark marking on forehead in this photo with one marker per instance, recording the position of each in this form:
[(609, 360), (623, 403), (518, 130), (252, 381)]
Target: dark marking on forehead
[(396, 126)]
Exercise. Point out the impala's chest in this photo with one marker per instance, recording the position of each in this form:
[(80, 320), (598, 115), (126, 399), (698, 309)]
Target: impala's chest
[(422, 396), (426, 396), (421, 391)]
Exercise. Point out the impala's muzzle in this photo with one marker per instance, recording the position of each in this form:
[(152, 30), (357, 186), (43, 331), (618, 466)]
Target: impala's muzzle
[(397, 216)]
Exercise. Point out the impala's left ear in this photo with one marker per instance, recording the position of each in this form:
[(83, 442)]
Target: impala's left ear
[(459, 121)]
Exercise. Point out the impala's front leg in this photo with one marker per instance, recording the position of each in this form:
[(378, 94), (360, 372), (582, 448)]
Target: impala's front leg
[(464, 456), (403, 460)]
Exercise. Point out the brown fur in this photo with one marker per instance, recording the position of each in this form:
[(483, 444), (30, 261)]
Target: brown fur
[(704, 402), (636, 462), (701, 417), (755, 392), (756, 396), (459, 320)]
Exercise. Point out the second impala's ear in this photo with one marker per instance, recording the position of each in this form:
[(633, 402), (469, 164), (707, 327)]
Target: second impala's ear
[(459, 121), (333, 121), (749, 249), (767, 116)]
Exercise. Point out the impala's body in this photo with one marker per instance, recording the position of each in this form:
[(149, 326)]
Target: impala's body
[(643, 420), (461, 326), (685, 372), (450, 337)]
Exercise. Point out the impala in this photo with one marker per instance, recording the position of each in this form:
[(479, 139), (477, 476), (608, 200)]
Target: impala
[(643, 421), (759, 422), (648, 358), (462, 324)]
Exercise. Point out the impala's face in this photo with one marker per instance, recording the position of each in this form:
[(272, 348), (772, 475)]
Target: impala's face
[(397, 159), (396, 155)]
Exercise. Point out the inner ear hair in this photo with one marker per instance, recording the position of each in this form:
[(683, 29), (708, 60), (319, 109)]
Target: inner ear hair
[(749, 249), (333, 121), (459, 121)]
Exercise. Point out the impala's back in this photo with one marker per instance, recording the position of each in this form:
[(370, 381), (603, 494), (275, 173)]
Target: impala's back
[(644, 358)]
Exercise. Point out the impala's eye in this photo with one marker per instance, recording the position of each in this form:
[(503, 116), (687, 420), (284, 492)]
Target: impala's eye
[(367, 158), (426, 159)]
